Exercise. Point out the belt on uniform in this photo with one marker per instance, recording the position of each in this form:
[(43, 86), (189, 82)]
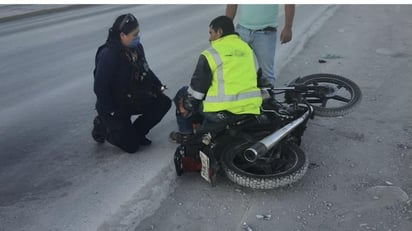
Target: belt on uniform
[(269, 28)]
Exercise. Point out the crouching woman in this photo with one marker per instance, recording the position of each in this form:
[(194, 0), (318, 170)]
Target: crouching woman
[(124, 86)]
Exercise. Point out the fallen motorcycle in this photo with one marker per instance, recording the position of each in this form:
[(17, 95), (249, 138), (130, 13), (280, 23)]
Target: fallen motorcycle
[(262, 151)]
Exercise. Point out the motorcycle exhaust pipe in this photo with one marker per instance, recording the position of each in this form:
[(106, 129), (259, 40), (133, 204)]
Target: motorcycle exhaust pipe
[(261, 147)]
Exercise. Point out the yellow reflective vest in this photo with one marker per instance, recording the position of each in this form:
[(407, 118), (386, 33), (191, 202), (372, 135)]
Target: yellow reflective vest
[(234, 81)]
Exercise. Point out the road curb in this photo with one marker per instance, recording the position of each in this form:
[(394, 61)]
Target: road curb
[(41, 12)]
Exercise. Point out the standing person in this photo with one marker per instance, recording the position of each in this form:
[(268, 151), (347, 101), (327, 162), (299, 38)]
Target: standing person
[(223, 84), (257, 26), (124, 86)]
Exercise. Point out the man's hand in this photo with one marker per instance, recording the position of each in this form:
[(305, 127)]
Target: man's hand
[(181, 108), (285, 35)]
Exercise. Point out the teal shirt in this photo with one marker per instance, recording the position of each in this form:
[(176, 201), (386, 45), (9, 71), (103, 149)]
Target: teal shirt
[(257, 17)]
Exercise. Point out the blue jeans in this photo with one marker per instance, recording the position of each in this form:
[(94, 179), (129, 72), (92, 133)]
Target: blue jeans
[(184, 123), (263, 44)]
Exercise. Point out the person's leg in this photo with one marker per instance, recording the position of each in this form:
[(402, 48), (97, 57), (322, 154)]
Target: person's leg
[(185, 127), (215, 121), (264, 46), (123, 135), (152, 113), (184, 123)]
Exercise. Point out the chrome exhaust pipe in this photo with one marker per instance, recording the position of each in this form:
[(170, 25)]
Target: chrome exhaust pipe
[(261, 147)]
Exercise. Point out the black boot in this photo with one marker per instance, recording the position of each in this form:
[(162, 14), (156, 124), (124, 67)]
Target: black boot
[(99, 130), (144, 141)]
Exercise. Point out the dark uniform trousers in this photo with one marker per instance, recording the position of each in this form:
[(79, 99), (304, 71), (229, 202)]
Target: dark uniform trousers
[(127, 135)]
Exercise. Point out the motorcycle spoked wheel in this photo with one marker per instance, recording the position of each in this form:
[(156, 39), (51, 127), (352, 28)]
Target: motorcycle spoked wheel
[(289, 167), (337, 97)]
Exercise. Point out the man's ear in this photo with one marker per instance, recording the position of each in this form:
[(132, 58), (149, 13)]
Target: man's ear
[(219, 32)]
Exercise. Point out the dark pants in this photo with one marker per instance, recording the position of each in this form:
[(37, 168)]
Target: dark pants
[(210, 121), (125, 134)]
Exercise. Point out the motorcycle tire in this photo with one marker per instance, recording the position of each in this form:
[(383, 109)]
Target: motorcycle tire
[(233, 164), (335, 83), (177, 159)]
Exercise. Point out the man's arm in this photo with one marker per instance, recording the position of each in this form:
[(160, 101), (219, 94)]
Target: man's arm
[(231, 10), (201, 79), (199, 85), (286, 34)]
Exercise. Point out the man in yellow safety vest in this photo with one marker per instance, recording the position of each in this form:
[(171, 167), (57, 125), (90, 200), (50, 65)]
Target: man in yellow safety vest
[(223, 85)]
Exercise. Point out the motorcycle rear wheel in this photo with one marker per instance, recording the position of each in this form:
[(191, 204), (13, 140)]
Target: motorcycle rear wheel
[(337, 97), (289, 168)]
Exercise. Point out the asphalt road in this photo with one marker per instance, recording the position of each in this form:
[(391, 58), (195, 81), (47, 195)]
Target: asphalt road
[(361, 164), (54, 177)]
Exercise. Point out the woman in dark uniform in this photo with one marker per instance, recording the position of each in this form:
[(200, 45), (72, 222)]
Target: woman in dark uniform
[(124, 86)]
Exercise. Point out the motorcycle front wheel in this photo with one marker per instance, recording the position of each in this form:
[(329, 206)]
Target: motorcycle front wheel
[(287, 164), (332, 95)]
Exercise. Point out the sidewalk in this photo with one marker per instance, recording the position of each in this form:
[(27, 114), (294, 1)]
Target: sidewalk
[(13, 12)]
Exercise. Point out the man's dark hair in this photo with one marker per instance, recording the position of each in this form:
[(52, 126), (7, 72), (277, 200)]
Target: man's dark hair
[(224, 23)]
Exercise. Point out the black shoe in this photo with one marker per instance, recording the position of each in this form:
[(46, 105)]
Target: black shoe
[(99, 131), (145, 141), (264, 83), (177, 137)]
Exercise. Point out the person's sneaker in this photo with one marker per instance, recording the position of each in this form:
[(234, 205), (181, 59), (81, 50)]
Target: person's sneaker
[(99, 131), (145, 141), (178, 137)]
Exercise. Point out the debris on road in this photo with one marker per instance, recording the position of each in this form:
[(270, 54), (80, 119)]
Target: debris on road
[(388, 183), (313, 166), (264, 217), (331, 56), (246, 227)]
